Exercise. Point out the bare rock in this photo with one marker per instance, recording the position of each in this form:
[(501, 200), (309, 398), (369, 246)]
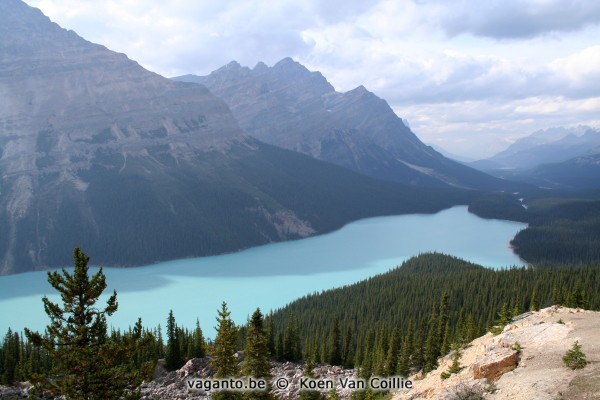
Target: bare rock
[(495, 364)]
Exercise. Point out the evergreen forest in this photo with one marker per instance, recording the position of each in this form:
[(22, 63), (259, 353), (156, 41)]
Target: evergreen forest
[(396, 323)]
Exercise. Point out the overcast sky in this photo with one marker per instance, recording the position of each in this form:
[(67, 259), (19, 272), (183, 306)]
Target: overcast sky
[(469, 75)]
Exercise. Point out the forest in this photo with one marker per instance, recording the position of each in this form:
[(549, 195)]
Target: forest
[(395, 323), (564, 227)]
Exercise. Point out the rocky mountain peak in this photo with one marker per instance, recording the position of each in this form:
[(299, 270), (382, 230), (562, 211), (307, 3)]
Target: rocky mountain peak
[(289, 106)]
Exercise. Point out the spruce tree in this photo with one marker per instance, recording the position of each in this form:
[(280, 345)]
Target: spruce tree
[(225, 363), (404, 363), (86, 364), (430, 352), (291, 341), (348, 352), (256, 353), (575, 358), (174, 359), (198, 349), (335, 349), (534, 304), (391, 361)]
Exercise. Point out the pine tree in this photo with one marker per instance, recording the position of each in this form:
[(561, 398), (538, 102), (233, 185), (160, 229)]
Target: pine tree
[(174, 359), (391, 361), (335, 350), (403, 368), (291, 341), (257, 362), (198, 349), (225, 363), (445, 348), (89, 365), (271, 334), (310, 394), (10, 348), (348, 355), (534, 304), (557, 297), (516, 310), (443, 319), (577, 300), (575, 358), (431, 344)]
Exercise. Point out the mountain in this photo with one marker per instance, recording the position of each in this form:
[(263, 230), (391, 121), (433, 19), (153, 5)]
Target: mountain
[(543, 147), (577, 173), (451, 155), (291, 107), (97, 152)]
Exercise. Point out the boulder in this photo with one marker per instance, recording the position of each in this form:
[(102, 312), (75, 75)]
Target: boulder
[(495, 364)]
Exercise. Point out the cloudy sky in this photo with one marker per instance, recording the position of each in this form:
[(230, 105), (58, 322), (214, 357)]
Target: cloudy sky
[(469, 75)]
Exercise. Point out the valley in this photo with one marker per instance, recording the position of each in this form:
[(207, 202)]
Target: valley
[(298, 206)]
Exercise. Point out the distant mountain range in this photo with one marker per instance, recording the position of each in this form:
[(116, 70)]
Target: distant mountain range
[(565, 158), (97, 152), (291, 107), (543, 147)]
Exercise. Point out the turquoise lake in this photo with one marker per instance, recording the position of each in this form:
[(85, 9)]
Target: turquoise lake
[(271, 276)]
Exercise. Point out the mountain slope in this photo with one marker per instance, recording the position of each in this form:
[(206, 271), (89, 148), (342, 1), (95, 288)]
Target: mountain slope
[(97, 152), (288, 106), (543, 147), (577, 173)]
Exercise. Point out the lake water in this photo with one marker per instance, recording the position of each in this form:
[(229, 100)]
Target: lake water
[(271, 276)]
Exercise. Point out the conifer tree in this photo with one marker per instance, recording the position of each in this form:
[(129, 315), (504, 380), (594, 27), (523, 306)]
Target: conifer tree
[(443, 318), (391, 361), (198, 349), (256, 353), (160, 349), (225, 362), (406, 352), (557, 297), (335, 350), (575, 358), (89, 365), (516, 310), (576, 298), (271, 334), (291, 341), (430, 355), (310, 394), (174, 359), (348, 356), (257, 364), (534, 304)]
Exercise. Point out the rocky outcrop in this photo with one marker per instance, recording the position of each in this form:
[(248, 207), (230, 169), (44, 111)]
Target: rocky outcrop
[(172, 385), (523, 362), (495, 364)]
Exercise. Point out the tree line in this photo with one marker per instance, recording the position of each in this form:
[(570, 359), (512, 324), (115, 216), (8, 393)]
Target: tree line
[(395, 323)]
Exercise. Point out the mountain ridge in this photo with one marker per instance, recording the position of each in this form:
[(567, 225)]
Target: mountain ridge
[(99, 153), (291, 107)]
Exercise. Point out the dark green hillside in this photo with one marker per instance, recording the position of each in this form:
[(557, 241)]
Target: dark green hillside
[(329, 196), (561, 231), (564, 226), (157, 207), (372, 308)]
